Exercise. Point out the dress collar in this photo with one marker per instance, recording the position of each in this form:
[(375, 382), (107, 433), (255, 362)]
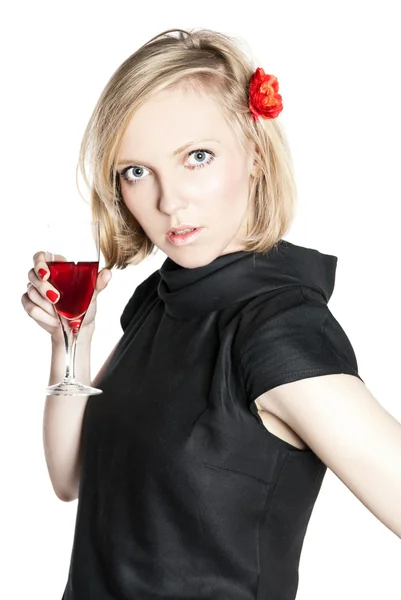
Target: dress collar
[(242, 275)]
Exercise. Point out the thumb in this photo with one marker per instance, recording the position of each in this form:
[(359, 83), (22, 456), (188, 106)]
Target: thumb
[(103, 279)]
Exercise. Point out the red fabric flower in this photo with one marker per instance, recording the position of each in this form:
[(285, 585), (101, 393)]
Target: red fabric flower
[(264, 99)]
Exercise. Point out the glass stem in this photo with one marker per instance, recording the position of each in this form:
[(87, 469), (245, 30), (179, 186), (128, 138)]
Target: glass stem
[(70, 348), (72, 354)]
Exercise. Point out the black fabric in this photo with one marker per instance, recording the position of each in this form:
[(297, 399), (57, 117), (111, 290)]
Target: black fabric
[(184, 494)]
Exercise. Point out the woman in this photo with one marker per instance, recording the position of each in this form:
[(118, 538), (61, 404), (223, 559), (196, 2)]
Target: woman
[(233, 387)]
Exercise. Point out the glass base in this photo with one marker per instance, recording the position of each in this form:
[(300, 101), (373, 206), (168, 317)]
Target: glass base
[(71, 388)]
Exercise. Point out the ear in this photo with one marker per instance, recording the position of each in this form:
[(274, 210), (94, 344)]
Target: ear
[(254, 169), (253, 164)]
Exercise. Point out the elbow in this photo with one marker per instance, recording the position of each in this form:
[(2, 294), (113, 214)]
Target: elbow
[(66, 489), (66, 495)]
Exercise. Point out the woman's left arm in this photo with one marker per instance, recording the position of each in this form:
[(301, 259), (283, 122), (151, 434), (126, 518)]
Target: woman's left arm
[(351, 432)]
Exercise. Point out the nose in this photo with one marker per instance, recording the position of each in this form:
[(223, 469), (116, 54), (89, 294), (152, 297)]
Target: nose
[(172, 196)]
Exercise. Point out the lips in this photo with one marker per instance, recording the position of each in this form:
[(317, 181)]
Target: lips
[(186, 228), (182, 239)]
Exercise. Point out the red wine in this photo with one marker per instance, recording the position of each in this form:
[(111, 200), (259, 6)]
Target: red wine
[(75, 282)]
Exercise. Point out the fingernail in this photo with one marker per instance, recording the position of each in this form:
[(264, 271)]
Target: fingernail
[(42, 273), (51, 295)]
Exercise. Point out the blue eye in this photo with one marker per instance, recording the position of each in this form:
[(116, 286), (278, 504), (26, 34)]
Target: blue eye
[(133, 173), (199, 155), (134, 176)]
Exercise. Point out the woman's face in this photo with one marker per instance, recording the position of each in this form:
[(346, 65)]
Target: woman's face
[(180, 163)]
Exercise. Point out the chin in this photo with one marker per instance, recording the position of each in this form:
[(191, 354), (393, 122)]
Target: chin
[(192, 258), (192, 262)]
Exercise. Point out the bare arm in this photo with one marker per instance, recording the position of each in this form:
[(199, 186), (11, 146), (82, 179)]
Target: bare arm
[(63, 415), (351, 432), (62, 419)]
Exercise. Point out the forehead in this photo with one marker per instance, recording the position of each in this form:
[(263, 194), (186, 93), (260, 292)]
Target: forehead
[(173, 117)]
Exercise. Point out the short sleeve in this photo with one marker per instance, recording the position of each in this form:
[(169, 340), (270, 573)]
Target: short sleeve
[(300, 339), (139, 299)]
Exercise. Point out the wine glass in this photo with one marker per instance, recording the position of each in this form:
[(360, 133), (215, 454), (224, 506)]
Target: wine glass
[(73, 250)]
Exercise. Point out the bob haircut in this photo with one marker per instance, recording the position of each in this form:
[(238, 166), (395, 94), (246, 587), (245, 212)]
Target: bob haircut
[(200, 59)]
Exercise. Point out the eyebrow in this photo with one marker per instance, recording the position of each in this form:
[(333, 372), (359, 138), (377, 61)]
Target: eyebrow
[(126, 161)]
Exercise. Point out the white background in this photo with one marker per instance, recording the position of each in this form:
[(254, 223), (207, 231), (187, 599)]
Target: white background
[(338, 68)]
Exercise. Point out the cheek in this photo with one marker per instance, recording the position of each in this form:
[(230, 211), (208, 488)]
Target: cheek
[(132, 200), (228, 181)]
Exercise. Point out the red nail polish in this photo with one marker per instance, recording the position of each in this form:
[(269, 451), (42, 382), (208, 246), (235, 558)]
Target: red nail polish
[(42, 273), (51, 295)]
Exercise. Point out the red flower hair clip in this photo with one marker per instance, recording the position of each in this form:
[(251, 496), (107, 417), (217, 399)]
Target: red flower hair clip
[(264, 99)]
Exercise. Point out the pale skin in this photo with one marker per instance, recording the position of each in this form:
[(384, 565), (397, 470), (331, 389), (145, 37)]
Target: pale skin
[(336, 416)]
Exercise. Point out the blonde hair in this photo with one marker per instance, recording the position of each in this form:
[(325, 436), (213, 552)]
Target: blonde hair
[(217, 64)]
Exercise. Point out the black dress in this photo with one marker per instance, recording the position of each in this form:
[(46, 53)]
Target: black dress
[(184, 493)]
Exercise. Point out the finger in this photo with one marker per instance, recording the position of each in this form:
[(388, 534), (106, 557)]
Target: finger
[(40, 266), (37, 313), (37, 298), (45, 289), (41, 259), (103, 279)]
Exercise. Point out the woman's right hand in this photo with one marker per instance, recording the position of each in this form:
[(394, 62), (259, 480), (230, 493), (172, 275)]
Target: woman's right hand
[(40, 307)]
